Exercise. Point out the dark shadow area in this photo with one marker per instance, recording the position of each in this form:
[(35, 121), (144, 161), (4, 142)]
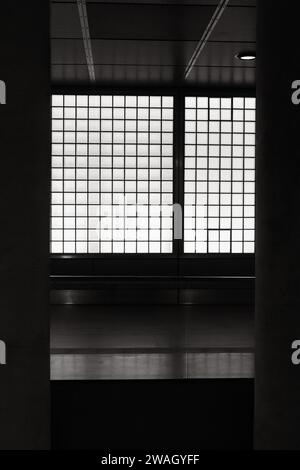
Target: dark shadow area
[(168, 415)]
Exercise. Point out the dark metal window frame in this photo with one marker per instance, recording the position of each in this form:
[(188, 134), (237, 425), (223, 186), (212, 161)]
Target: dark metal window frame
[(179, 94)]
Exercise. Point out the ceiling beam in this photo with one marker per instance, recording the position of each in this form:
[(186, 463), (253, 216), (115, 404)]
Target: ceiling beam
[(86, 38), (205, 37)]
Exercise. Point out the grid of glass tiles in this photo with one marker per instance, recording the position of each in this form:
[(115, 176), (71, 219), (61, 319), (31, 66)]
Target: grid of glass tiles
[(219, 207), (112, 174)]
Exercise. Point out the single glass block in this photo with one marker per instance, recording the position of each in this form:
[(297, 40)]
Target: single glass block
[(94, 113), (201, 247), (118, 113), (190, 102), (237, 235), (154, 247), (225, 211), (166, 126), (214, 247), (214, 139), (202, 115), (106, 138), (143, 126), (238, 139), (237, 175), (82, 100), (167, 101), (226, 115), (225, 223), (106, 101), (57, 211), (237, 247), (237, 211), (238, 115), (57, 113), (82, 125), (226, 103), (131, 113), (250, 103), (249, 235), (57, 137), (105, 247), (81, 235), (215, 103), (143, 114), (69, 235), (190, 115), (57, 248), (81, 248), (70, 113), (249, 151), (238, 103), (57, 100), (214, 151), (238, 163), (190, 150), (225, 187), (214, 114), (237, 223), (249, 247), (58, 125), (249, 199), (94, 101), (143, 101), (214, 126), (81, 113), (250, 127), (250, 139), (250, 115), (214, 175), (225, 247), (249, 188), (156, 114), (131, 101), (226, 175), (238, 199)]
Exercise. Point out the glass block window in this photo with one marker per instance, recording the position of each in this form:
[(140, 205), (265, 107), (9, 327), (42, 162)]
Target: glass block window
[(219, 175), (112, 174)]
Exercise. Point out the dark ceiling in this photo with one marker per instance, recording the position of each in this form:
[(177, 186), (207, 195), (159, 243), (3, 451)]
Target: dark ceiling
[(150, 42)]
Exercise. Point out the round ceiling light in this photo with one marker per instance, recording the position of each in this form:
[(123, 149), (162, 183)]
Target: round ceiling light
[(246, 56)]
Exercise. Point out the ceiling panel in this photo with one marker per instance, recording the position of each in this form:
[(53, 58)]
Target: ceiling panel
[(130, 52), (224, 54), (242, 3), (65, 21), (148, 22), (69, 74), (175, 53), (144, 42), (164, 76), (154, 76), (67, 51), (222, 77), (236, 24), (132, 75), (170, 2)]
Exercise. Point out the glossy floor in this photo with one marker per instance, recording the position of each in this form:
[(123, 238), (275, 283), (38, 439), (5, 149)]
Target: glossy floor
[(151, 342)]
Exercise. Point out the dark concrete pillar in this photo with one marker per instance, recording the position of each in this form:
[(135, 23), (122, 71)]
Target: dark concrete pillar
[(24, 207), (277, 419)]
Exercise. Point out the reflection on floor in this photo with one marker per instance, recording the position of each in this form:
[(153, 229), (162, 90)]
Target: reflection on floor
[(151, 342)]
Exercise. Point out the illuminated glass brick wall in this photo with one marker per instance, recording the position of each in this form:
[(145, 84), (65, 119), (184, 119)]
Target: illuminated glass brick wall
[(112, 174), (219, 175)]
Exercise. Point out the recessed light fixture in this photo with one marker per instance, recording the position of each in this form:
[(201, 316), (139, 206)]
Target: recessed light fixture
[(246, 56)]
